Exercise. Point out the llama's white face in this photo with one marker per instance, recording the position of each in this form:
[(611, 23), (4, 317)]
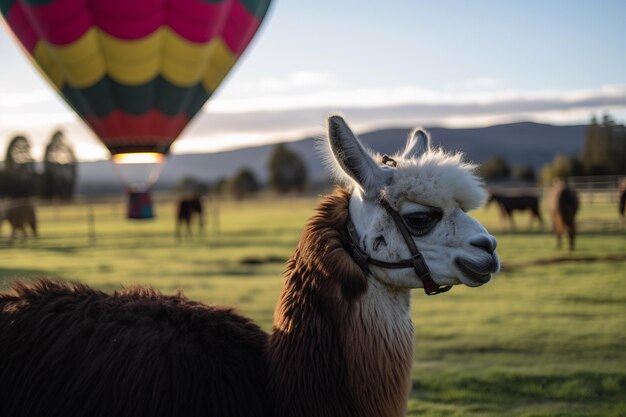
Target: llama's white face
[(432, 191)]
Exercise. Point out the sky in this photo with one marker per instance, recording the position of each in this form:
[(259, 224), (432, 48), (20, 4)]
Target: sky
[(381, 64)]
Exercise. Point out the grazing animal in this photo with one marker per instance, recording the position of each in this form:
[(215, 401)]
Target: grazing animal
[(188, 208), (622, 198), (509, 204), (20, 213), (342, 343), (563, 208)]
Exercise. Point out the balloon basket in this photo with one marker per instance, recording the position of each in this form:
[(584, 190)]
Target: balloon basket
[(140, 205)]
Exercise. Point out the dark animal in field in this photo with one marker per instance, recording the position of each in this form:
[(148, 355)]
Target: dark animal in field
[(20, 214), (563, 208), (622, 198), (189, 208), (342, 344), (509, 204)]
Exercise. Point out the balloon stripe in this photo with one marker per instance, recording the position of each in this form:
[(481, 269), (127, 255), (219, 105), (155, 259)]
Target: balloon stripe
[(60, 22), (96, 100), (80, 64), (38, 2), (18, 21), (152, 131), (103, 98), (47, 66), (84, 62), (6, 5), (240, 28), (257, 7)]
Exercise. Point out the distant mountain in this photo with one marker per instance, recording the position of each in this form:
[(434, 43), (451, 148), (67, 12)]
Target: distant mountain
[(519, 143)]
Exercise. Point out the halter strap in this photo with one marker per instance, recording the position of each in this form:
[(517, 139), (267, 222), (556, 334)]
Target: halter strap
[(417, 262)]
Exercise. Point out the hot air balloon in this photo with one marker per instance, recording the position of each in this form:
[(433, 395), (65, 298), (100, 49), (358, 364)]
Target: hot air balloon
[(136, 71)]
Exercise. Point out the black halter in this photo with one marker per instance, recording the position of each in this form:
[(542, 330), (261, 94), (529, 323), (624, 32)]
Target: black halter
[(416, 262)]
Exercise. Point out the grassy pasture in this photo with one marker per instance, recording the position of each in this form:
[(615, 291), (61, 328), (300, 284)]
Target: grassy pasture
[(546, 338)]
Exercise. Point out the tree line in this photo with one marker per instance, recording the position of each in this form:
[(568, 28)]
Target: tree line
[(287, 173), (603, 153), (20, 178)]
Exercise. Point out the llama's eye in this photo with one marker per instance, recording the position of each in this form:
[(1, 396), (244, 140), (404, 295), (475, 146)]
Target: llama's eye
[(422, 223)]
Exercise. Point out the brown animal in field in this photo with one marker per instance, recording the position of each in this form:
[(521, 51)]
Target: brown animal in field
[(20, 214), (342, 340), (188, 208), (563, 208), (509, 204)]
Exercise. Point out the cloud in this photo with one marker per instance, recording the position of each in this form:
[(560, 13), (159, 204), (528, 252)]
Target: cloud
[(286, 114), (293, 83), (218, 130), (18, 99), (396, 108)]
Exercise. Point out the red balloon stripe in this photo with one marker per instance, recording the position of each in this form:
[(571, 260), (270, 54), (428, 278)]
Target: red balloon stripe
[(120, 127)]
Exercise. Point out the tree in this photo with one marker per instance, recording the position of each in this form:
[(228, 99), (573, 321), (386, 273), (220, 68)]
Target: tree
[(525, 173), (604, 151), (287, 170), (220, 186), (495, 169), (561, 167), (60, 170), (190, 185), (20, 176), (244, 183)]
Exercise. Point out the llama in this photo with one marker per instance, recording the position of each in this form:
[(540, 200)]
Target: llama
[(621, 191), (187, 208), (20, 213), (563, 208), (509, 204), (342, 343)]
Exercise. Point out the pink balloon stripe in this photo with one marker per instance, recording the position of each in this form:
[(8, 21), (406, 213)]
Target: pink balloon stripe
[(22, 28), (197, 21), (240, 28), (122, 9), (128, 19), (60, 22), (130, 29)]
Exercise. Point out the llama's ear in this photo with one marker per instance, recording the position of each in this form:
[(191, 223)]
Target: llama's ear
[(417, 144), (352, 159)]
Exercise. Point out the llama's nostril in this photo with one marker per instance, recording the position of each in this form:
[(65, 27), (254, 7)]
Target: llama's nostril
[(487, 243)]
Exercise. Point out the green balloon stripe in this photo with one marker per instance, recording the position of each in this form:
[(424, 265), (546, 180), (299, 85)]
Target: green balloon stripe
[(5, 6), (107, 95), (257, 7), (38, 2)]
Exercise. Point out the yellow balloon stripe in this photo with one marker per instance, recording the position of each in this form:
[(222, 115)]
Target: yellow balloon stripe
[(96, 54), (221, 60)]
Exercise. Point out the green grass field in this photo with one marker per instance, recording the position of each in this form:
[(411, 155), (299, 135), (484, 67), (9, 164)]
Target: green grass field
[(547, 337)]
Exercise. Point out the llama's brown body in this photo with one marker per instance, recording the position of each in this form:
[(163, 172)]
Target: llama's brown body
[(563, 208), (621, 191), (68, 350), (330, 355), (21, 215)]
